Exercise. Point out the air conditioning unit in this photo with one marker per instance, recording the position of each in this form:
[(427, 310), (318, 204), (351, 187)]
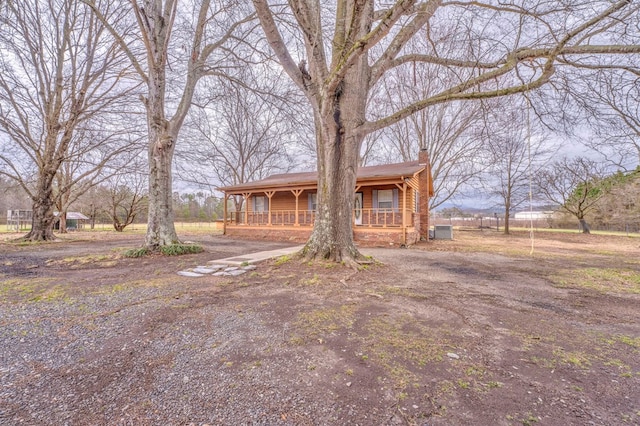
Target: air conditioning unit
[(443, 232)]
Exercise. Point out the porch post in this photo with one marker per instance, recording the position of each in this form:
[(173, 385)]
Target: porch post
[(353, 212), (297, 193), (246, 196), (404, 205), (224, 215), (404, 213), (269, 194)]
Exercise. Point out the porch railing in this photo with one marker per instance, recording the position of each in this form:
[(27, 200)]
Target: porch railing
[(278, 217), (384, 218)]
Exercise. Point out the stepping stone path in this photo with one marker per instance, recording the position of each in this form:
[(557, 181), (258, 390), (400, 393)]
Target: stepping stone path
[(217, 270), (234, 266)]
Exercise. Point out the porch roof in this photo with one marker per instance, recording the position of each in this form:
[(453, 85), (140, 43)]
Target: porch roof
[(373, 174)]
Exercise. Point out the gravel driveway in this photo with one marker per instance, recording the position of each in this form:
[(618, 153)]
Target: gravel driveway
[(435, 335)]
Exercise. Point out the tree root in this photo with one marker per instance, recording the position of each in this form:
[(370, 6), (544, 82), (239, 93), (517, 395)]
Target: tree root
[(348, 256)]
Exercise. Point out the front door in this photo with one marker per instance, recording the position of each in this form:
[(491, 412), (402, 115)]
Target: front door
[(357, 209)]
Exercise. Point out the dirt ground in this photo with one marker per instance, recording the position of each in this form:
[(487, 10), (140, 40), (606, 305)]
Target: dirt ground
[(481, 330)]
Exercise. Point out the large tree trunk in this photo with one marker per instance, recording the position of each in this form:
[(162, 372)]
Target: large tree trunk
[(43, 218), (92, 216), (62, 220), (507, 209), (332, 236), (338, 117), (162, 139), (160, 228), (237, 202), (584, 225)]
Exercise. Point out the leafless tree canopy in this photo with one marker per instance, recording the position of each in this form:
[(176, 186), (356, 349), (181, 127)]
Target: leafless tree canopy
[(241, 136), (517, 149), (451, 132), (63, 85), (243, 130), (611, 102), (172, 45), (125, 196), (573, 185)]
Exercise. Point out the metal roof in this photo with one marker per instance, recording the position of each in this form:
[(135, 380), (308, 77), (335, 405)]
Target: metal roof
[(73, 215)]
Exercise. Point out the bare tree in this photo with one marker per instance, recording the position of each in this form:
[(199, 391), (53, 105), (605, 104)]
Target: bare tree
[(60, 75), (612, 104), (246, 134), (575, 185), (172, 47), (91, 204), (450, 132), (480, 48), (95, 157), (12, 197), (517, 149), (126, 198)]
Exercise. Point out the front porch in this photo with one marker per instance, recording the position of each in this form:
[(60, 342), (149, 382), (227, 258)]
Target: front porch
[(385, 218), (370, 226)]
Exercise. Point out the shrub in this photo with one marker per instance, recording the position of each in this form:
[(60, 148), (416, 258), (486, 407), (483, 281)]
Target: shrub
[(179, 249), (136, 252)]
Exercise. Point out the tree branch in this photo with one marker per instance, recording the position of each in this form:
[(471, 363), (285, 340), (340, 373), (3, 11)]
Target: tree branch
[(277, 43), (123, 45)]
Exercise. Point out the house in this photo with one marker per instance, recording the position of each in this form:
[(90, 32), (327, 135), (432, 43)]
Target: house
[(391, 205)]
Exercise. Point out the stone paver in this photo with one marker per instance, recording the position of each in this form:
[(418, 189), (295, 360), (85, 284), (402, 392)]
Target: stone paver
[(189, 274), (202, 270)]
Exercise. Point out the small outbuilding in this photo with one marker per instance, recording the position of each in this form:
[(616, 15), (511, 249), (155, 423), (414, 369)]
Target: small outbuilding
[(75, 220)]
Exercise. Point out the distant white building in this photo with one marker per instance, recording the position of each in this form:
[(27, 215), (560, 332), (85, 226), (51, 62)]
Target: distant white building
[(533, 215), (18, 220)]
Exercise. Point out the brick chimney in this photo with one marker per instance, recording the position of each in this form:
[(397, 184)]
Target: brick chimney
[(423, 156), (425, 184)]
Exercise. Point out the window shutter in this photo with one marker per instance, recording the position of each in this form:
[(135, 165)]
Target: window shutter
[(253, 203), (309, 201), (374, 197), (395, 198)]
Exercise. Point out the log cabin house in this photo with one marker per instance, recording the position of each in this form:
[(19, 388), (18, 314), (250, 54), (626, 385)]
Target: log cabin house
[(391, 205)]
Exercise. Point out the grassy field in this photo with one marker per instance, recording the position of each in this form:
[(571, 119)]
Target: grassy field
[(138, 228), (208, 227)]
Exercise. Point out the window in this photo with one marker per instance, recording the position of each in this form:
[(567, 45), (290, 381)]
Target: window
[(385, 199), (260, 204), (313, 201)]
